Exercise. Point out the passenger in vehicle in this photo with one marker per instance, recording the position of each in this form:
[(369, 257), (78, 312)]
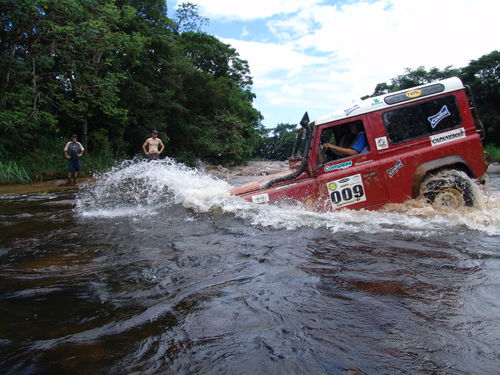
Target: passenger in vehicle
[(360, 143)]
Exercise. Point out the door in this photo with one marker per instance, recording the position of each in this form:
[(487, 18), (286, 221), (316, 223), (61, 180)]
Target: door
[(348, 172)]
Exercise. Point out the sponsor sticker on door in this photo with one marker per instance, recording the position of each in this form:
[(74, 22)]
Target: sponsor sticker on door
[(346, 191), (337, 167), (446, 137), (381, 143), (393, 170)]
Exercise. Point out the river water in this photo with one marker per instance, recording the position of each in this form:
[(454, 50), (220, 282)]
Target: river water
[(158, 270)]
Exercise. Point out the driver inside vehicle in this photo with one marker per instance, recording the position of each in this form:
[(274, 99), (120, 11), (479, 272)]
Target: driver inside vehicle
[(359, 145)]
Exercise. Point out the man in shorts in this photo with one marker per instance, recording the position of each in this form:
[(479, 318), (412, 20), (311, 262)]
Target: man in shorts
[(154, 146), (73, 151)]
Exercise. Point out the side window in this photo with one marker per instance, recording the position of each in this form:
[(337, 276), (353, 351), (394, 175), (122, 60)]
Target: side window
[(422, 119), (341, 141)]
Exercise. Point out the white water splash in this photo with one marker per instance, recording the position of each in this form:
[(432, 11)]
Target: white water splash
[(142, 188), (139, 188)]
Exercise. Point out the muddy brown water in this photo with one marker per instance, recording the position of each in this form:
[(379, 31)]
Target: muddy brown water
[(157, 270)]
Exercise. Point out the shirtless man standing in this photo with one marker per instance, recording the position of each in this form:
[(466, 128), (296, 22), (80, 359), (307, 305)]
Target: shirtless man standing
[(153, 142)]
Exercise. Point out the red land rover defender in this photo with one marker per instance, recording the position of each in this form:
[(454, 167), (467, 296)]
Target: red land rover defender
[(421, 142)]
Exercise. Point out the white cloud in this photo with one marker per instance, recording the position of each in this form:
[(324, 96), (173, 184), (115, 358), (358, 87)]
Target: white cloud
[(249, 10), (324, 56), (244, 32), (267, 58), (403, 33)]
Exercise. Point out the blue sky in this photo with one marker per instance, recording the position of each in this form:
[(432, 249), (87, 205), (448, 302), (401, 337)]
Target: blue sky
[(323, 55)]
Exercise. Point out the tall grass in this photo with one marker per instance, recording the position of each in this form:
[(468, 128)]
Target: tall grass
[(96, 162), (47, 162), (11, 173), (492, 153)]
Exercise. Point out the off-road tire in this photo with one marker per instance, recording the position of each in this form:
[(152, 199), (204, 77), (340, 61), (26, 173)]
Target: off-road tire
[(449, 188)]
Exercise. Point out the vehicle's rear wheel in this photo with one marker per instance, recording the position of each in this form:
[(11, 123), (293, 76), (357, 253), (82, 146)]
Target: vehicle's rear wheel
[(449, 188)]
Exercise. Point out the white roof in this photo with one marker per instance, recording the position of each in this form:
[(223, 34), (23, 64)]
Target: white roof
[(381, 102)]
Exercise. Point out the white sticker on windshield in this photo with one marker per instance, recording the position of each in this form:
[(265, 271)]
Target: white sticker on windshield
[(346, 191)]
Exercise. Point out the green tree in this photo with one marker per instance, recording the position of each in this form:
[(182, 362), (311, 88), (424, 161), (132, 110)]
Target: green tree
[(412, 78), (24, 115), (277, 143), (112, 70), (216, 92), (66, 79), (483, 76), (85, 50), (188, 19)]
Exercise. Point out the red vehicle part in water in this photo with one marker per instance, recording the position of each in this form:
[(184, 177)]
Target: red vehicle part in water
[(421, 142)]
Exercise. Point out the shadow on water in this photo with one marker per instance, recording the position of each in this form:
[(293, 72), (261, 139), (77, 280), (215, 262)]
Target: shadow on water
[(161, 271)]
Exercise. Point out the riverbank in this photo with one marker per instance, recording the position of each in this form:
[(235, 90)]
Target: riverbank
[(42, 187), (230, 174), (238, 173)]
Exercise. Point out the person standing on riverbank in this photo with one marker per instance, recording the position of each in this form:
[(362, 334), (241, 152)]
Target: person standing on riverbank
[(73, 152), (152, 144)]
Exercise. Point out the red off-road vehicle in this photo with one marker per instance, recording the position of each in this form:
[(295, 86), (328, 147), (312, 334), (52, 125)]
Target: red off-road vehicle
[(421, 142)]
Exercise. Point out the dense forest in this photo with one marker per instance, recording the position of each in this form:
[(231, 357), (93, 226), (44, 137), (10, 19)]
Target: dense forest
[(110, 71)]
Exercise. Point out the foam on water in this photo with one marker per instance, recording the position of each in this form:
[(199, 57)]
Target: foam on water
[(142, 188), (139, 188)]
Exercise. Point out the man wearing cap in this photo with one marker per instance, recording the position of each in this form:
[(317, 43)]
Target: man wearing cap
[(73, 152), (152, 152)]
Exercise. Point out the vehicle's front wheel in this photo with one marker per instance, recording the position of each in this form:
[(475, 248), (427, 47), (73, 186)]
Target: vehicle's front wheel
[(449, 188)]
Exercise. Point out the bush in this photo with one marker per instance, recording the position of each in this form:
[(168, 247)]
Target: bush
[(48, 162), (492, 153), (11, 173)]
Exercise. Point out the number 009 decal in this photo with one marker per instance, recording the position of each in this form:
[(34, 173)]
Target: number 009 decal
[(346, 191)]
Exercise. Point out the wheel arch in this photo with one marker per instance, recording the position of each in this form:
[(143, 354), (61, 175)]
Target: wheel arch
[(431, 167)]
